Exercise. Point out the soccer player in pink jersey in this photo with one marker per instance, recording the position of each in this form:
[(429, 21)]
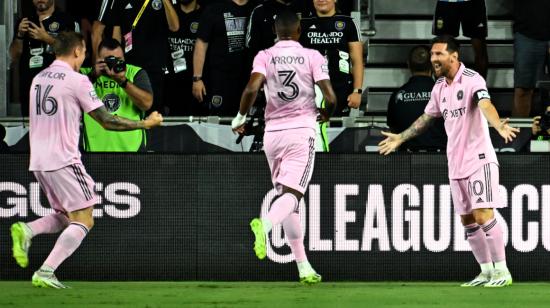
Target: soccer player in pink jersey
[(58, 95), (460, 96), (288, 73)]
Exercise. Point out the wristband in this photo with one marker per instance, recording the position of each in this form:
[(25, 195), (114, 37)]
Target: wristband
[(238, 120)]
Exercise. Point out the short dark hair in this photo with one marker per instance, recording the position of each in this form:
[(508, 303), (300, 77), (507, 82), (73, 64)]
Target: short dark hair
[(66, 42), (419, 59), (452, 43), (109, 44), (286, 22)]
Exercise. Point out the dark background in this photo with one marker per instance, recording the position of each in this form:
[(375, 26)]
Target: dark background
[(195, 210)]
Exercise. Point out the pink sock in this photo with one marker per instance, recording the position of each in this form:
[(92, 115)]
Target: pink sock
[(476, 239), (495, 240), (52, 223), (293, 231), (66, 244), (281, 208)]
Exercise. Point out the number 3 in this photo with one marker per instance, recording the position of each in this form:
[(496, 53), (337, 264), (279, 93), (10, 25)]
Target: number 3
[(289, 76)]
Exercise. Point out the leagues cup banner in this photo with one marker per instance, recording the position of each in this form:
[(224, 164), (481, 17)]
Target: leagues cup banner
[(365, 218)]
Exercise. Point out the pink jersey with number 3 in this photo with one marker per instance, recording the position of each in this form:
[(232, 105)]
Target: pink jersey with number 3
[(58, 95), (469, 145), (291, 72)]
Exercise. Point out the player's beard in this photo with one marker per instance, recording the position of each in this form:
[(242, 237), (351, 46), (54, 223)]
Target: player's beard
[(44, 5), (440, 69)]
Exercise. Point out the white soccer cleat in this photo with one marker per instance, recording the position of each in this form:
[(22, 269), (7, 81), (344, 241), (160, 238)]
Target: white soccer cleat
[(46, 279), (499, 279), (480, 280)]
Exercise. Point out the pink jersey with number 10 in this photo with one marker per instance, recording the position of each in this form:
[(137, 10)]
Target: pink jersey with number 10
[(469, 145)]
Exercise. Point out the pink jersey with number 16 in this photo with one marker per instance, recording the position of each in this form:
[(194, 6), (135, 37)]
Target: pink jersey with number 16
[(58, 95)]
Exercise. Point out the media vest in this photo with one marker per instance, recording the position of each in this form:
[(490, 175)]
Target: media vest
[(117, 102)]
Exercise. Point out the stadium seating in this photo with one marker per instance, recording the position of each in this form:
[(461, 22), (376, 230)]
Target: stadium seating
[(401, 24)]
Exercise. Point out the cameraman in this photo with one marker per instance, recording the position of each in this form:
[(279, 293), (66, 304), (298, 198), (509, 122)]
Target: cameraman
[(541, 125), (126, 91)]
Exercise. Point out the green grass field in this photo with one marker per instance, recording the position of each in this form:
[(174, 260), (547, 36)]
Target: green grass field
[(272, 294)]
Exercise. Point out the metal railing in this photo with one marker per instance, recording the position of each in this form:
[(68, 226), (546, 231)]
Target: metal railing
[(362, 121), (371, 30)]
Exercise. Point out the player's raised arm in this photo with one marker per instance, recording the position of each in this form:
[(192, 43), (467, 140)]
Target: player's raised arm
[(393, 141), (113, 122)]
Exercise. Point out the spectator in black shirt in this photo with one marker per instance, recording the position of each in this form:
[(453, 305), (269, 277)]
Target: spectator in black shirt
[(472, 15), (261, 34), (32, 43), (4, 148), (531, 38), (99, 27), (145, 37), (338, 38), (408, 103), (220, 70), (179, 82), (85, 12)]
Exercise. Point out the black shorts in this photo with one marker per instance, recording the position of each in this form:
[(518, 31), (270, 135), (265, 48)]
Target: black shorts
[(450, 15)]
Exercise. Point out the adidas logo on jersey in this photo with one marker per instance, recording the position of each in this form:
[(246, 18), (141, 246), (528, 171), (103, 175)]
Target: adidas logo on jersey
[(128, 6), (313, 27)]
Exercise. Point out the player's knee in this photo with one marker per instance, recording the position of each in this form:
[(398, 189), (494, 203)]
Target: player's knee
[(467, 219), (294, 192), (90, 223), (483, 215)]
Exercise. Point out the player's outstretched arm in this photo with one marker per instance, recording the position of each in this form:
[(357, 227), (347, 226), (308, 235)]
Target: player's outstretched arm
[(330, 99), (490, 113), (393, 141), (113, 122)]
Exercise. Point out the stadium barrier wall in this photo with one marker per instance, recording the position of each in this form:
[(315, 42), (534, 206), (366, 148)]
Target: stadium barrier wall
[(366, 218)]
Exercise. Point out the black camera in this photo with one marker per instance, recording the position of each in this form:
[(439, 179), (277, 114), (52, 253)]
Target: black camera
[(115, 64), (545, 122)]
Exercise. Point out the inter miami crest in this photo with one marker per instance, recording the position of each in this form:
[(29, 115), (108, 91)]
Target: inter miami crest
[(156, 4), (460, 95), (111, 102)]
